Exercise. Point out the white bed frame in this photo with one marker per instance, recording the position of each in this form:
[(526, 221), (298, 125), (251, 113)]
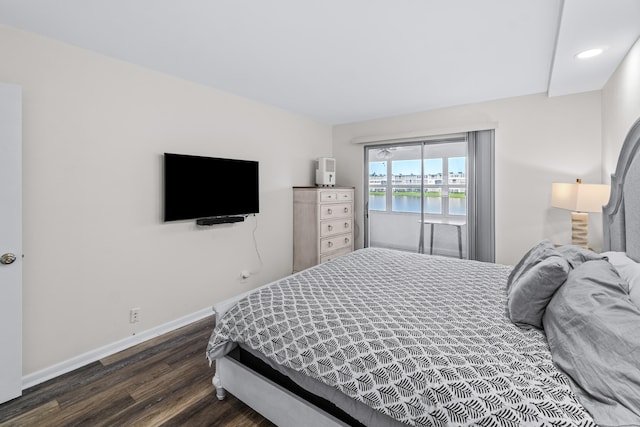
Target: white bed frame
[(268, 398), (274, 402)]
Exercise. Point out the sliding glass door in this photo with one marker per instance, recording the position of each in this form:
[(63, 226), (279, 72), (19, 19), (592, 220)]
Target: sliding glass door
[(417, 196)]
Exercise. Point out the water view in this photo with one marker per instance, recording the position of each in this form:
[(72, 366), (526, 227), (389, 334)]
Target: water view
[(436, 175), (432, 205)]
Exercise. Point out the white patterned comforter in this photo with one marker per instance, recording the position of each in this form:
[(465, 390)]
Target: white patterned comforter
[(423, 339)]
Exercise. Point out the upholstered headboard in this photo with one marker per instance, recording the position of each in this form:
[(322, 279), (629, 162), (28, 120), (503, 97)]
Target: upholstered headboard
[(621, 215)]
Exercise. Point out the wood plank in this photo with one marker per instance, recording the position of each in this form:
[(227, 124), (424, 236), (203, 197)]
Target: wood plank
[(34, 417), (117, 382), (40, 394), (201, 327), (166, 393), (166, 409), (165, 381), (89, 411), (173, 379)]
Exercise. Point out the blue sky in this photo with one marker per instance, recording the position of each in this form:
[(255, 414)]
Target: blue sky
[(406, 167)]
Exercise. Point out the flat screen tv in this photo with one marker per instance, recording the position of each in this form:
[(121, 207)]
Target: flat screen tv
[(203, 187)]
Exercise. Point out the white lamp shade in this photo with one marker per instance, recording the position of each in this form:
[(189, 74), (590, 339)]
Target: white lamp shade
[(579, 197)]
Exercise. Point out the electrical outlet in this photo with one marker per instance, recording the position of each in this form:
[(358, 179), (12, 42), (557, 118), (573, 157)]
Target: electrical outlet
[(134, 315)]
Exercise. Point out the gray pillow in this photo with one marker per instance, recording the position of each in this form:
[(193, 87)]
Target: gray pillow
[(532, 290), (592, 330), (536, 254), (629, 271), (576, 255)]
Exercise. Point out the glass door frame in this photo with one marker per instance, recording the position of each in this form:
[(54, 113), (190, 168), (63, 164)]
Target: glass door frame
[(422, 143)]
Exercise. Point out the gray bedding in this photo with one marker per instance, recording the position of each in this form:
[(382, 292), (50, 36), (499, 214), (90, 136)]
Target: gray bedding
[(422, 339), (593, 329)]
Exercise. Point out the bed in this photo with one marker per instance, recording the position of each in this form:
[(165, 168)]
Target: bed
[(380, 337)]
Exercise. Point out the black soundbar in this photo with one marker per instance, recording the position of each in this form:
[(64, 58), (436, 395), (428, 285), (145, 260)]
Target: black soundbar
[(219, 220)]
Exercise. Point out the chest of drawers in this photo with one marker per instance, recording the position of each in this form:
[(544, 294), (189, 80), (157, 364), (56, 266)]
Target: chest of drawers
[(322, 224)]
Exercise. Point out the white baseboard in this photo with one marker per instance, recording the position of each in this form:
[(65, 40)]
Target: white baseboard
[(91, 356)]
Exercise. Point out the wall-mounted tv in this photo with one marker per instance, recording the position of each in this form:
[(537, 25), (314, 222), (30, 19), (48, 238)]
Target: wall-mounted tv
[(202, 187)]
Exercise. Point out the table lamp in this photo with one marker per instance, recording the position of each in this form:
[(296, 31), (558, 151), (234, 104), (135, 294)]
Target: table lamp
[(580, 199)]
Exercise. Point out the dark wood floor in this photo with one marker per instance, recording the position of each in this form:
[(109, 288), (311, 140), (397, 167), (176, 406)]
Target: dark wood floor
[(162, 382)]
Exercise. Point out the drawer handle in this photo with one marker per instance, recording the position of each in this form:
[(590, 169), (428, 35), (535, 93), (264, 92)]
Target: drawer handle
[(346, 225), (330, 244), (329, 196), (329, 227), (346, 240), (346, 210), (329, 211)]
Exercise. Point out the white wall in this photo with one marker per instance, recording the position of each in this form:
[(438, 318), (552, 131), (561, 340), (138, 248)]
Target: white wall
[(620, 108), (539, 140), (94, 242)]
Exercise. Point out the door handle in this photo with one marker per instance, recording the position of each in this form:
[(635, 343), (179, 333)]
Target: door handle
[(7, 258)]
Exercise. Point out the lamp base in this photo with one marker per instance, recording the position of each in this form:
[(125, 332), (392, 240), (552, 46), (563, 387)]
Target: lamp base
[(579, 229)]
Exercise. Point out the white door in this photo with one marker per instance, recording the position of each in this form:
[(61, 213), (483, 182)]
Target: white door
[(10, 241)]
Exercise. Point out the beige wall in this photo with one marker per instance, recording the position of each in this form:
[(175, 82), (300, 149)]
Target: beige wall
[(539, 140), (620, 109), (94, 242)]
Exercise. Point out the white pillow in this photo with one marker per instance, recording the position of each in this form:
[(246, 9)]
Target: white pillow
[(629, 270)]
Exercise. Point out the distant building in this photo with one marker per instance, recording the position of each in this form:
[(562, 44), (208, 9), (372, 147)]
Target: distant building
[(379, 182)]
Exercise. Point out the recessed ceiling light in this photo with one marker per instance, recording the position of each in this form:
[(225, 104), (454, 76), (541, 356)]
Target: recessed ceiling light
[(589, 53)]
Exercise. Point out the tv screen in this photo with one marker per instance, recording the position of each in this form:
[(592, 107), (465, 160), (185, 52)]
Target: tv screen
[(201, 187)]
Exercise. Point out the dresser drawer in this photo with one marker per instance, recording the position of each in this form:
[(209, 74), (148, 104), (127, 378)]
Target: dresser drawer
[(328, 196), (336, 254), (329, 244), (338, 226), (338, 210), (336, 196), (344, 196)]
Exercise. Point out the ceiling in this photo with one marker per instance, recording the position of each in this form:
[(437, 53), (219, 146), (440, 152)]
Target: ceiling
[(339, 61)]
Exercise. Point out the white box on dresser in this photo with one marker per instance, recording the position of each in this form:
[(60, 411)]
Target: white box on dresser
[(322, 224)]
